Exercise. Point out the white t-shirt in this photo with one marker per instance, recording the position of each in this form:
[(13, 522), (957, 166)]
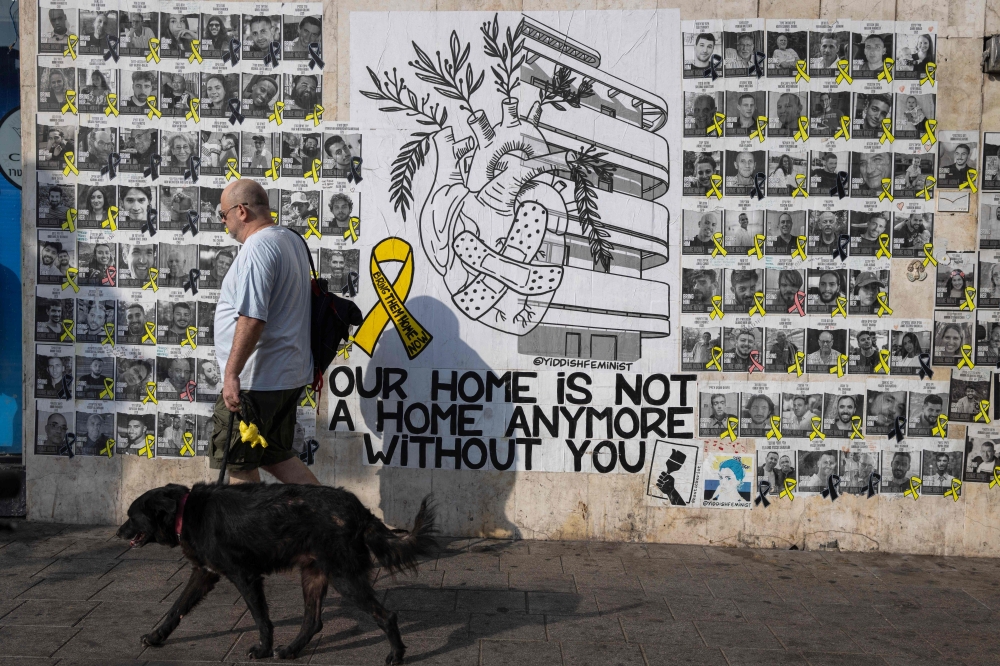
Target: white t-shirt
[(269, 280)]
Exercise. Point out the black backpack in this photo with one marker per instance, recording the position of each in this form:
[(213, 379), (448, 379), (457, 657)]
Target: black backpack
[(332, 318)]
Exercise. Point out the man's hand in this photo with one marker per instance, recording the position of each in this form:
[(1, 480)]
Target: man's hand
[(231, 393), (665, 482)]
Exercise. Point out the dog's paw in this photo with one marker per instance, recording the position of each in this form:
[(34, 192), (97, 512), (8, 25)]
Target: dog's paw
[(285, 652), (394, 658), (152, 639), (260, 652)]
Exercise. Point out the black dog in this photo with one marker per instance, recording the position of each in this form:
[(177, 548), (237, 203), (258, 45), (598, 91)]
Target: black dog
[(246, 531)]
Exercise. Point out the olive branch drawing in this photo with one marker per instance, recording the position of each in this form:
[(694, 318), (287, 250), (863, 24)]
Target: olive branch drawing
[(585, 164), (510, 54)]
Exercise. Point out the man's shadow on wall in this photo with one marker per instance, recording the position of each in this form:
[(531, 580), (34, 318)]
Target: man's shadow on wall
[(469, 502)]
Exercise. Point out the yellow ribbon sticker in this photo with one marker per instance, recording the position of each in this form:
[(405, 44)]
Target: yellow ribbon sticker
[(731, 423), (251, 435), (392, 301), (927, 191), (929, 70), (69, 105), (189, 341), (187, 449), (845, 129), (758, 304), (352, 229), (69, 158), (845, 75), (983, 406), (148, 449), (841, 367), (970, 181), (761, 126), (309, 400), (800, 248), (193, 105), (966, 360), (71, 274), (716, 359), (930, 124), (345, 351), (969, 304), (841, 308), (714, 190), (195, 54), (716, 126), (929, 254), (67, 327), (71, 42), (70, 223), (886, 192), (816, 422), (716, 310), (883, 304), (154, 50), (719, 249), (317, 114), (152, 110), (109, 448), (955, 490), (275, 171), (775, 431), (787, 492), (886, 73), (111, 221), (887, 134), (800, 190), (856, 428), (995, 481), (883, 362), (914, 491), (758, 246), (150, 393), (151, 284), (802, 133), (279, 108), (883, 247), (796, 366), (800, 71), (150, 334), (109, 334), (231, 171), (313, 229), (109, 389), (941, 429), (112, 107), (315, 171)]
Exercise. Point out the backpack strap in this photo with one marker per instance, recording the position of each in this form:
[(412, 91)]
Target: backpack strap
[(314, 274)]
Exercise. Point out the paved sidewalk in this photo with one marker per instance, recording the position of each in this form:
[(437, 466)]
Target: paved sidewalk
[(76, 595)]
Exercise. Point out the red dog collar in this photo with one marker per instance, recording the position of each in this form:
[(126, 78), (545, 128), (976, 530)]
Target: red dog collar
[(179, 519)]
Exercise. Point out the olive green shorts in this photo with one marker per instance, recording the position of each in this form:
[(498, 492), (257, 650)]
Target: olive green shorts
[(277, 412)]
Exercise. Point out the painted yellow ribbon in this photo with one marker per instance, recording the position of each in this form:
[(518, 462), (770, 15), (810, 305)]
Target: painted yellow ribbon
[(154, 50), (109, 389), (800, 71), (189, 341), (787, 492), (251, 435), (392, 301), (231, 171), (275, 171), (69, 105), (67, 327), (775, 431), (966, 360), (886, 192), (856, 428), (796, 366), (111, 221), (187, 449), (758, 306), (800, 248), (845, 75), (279, 108), (716, 359), (70, 223), (313, 229), (941, 429), (731, 422), (970, 181), (309, 400), (69, 158), (716, 310), (193, 105), (816, 422), (983, 406), (914, 491), (886, 73), (70, 281), (112, 107), (929, 254), (761, 127), (109, 334), (930, 124), (719, 249), (109, 448), (152, 110), (883, 362), (150, 333), (841, 367), (841, 308), (758, 246), (195, 54), (802, 133), (315, 171), (352, 229), (955, 490), (716, 126), (928, 189), (929, 70), (317, 114), (887, 134), (148, 449), (969, 304), (151, 284), (883, 304), (71, 42), (713, 190), (150, 393), (800, 181), (845, 129)]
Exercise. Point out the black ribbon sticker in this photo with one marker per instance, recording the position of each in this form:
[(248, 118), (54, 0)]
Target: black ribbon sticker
[(314, 58), (110, 169), (925, 366), (192, 223), (153, 170), (192, 282), (66, 390), (839, 190), (757, 68), (758, 186), (843, 243), (233, 57), (273, 56), (149, 226), (191, 173), (713, 67), (832, 489), (112, 51), (355, 175), (66, 448), (351, 287), (234, 111), (897, 429), (308, 455), (763, 488), (873, 480)]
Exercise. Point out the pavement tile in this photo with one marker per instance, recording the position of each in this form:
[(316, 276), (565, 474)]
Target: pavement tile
[(798, 638), (893, 641), (124, 590), (916, 619), (848, 617), (469, 562), (238, 653), (840, 659), (737, 635), (33, 641), (623, 550), (492, 601), (398, 599), (561, 603), (497, 546), (15, 567), (752, 657), (524, 580), (704, 608), (558, 548), (815, 592), (11, 588), (33, 661), (662, 568), (6, 606), (515, 626), (662, 655), (596, 580), (34, 548), (76, 566), (214, 618), (536, 564), (424, 578), (619, 602), (143, 615), (741, 589), (95, 549), (476, 580), (584, 562), (709, 569), (662, 632), (423, 624), (48, 614), (584, 628), (118, 640), (775, 614), (601, 654), (675, 587), (185, 645), (66, 588), (520, 653), (676, 552), (370, 651)]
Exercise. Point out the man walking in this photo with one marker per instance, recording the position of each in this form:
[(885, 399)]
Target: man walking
[(262, 337)]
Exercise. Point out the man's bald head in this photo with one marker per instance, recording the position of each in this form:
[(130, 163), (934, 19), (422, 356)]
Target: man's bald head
[(245, 208)]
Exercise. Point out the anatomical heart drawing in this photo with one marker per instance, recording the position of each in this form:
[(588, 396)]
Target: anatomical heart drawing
[(531, 165)]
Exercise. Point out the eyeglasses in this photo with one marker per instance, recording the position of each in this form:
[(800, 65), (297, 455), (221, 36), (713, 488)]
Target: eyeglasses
[(225, 213)]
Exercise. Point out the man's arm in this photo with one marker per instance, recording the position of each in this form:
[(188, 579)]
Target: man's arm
[(248, 332)]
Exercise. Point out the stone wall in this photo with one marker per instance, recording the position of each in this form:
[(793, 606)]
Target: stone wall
[(578, 506)]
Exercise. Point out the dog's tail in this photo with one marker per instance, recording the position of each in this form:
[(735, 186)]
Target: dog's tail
[(397, 552)]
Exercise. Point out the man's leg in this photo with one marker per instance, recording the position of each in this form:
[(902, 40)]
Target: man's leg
[(292, 470), (244, 476)]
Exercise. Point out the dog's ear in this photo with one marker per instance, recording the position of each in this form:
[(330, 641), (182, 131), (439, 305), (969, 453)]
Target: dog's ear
[(162, 510)]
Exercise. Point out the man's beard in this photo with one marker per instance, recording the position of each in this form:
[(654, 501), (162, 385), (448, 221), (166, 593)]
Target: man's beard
[(304, 100), (829, 300)]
